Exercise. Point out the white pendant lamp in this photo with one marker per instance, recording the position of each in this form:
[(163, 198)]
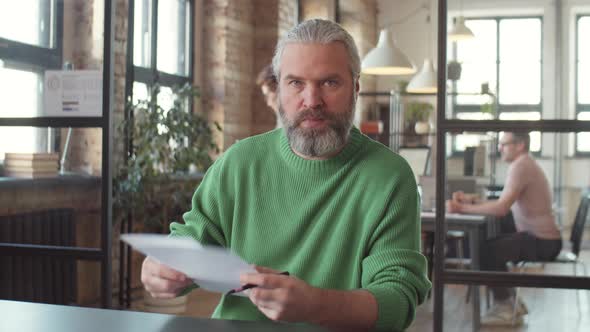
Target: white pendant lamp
[(460, 31), (386, 58), (425, 81)]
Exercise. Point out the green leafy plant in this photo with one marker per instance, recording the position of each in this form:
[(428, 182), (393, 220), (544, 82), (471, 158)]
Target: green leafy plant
[(487, 108), (417, 112), (170, 148)]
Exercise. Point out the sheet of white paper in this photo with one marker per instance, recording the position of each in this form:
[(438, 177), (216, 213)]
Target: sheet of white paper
[(213, 268)]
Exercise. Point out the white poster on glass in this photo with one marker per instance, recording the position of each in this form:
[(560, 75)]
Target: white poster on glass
[(72, 93)]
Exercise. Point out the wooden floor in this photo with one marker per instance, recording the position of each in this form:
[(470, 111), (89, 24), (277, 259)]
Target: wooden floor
[(549, 309)]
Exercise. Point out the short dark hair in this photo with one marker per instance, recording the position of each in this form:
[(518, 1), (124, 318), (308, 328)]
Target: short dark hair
[(267, 77), (522, 137)]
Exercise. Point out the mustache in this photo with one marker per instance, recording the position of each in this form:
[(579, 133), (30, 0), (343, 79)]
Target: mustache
[(313, 114)]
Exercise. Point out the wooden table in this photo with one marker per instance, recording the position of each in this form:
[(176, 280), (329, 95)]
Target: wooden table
[(37, 317), (478, 228)]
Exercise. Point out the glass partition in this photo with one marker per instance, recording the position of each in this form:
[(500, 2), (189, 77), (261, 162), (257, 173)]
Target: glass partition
[(476, 180)]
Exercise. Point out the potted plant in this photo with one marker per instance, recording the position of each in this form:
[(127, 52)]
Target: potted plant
[(416, 116), (169, 150)]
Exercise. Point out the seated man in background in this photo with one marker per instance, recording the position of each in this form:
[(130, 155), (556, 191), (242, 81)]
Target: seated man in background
[(526, 193), (318, 199), (267, 82)]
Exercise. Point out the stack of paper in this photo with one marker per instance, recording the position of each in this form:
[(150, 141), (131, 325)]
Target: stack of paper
[(213, 268), (30, 165)]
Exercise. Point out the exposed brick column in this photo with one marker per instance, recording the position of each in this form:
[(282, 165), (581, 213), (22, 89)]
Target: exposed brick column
[(228, 66), (273, 18), (266, 32)]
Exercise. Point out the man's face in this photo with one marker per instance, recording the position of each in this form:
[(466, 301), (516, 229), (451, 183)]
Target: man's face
[(316, 97), (509, 149)]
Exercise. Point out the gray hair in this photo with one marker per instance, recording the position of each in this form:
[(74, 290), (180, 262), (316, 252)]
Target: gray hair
[(321, 32)]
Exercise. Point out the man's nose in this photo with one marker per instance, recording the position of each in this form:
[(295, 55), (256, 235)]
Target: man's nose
[(312, 97)]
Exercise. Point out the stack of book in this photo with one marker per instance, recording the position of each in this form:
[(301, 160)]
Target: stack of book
[(30, 165)]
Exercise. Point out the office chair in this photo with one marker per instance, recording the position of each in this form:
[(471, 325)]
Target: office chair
[(567, 257)]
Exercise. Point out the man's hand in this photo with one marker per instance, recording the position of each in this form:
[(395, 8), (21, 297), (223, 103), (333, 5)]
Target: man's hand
[(459, 197), (453, 206), (281, 297), (161, 281)]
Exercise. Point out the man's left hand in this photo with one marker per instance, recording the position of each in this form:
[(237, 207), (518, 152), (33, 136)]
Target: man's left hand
[(454, 206), (282, 297)]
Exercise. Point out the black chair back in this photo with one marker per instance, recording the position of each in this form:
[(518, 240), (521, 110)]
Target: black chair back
[(582, 216)]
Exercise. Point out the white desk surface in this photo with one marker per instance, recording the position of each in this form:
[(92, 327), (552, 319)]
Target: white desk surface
[(455, 216)]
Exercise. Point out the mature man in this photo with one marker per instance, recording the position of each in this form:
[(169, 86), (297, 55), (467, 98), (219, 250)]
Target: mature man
[(526, 193), (317, 198)]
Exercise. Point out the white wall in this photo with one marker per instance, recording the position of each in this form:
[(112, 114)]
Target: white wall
[(410, 33)]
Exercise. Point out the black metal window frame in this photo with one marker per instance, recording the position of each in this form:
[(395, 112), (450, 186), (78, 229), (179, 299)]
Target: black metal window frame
[(101, 255), (22, 56), (500, 108), (579, 107), (37, 58), (151, 75)]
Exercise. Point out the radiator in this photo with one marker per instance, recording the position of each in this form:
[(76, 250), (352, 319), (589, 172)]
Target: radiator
[(38, 278)]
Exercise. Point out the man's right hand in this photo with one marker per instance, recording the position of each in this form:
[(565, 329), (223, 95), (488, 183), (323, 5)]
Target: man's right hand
[(453, 206), (161, 281), (459, 197)]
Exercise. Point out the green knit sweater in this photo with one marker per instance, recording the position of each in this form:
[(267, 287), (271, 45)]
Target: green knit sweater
[(349, 222)]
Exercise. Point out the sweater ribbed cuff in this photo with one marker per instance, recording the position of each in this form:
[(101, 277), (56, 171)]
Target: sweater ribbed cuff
[(392, 307)]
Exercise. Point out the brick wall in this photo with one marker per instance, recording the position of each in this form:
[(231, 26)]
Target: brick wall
[(81, 195), (83, 47), (239, 40), (266, 33), (228, 66)]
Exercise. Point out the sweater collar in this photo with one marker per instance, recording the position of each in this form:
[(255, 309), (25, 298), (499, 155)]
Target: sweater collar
[(331, 164)]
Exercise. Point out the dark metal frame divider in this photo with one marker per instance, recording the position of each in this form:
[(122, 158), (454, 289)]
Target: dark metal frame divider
[(148, 76), (102, 255), (444, 126)]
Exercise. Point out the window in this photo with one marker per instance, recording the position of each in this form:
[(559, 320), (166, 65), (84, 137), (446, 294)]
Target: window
[(162, 44), (582, 82), (30, 43), (501, 72)]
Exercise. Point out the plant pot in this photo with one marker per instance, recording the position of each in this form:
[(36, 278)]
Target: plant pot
[(173, 306), (422, 127)]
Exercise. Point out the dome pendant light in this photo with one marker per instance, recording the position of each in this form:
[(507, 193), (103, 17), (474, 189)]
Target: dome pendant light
[(386, 58)]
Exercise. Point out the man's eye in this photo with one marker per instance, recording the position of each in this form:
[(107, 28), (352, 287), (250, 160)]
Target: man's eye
[(296, 83), (331, 83)]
